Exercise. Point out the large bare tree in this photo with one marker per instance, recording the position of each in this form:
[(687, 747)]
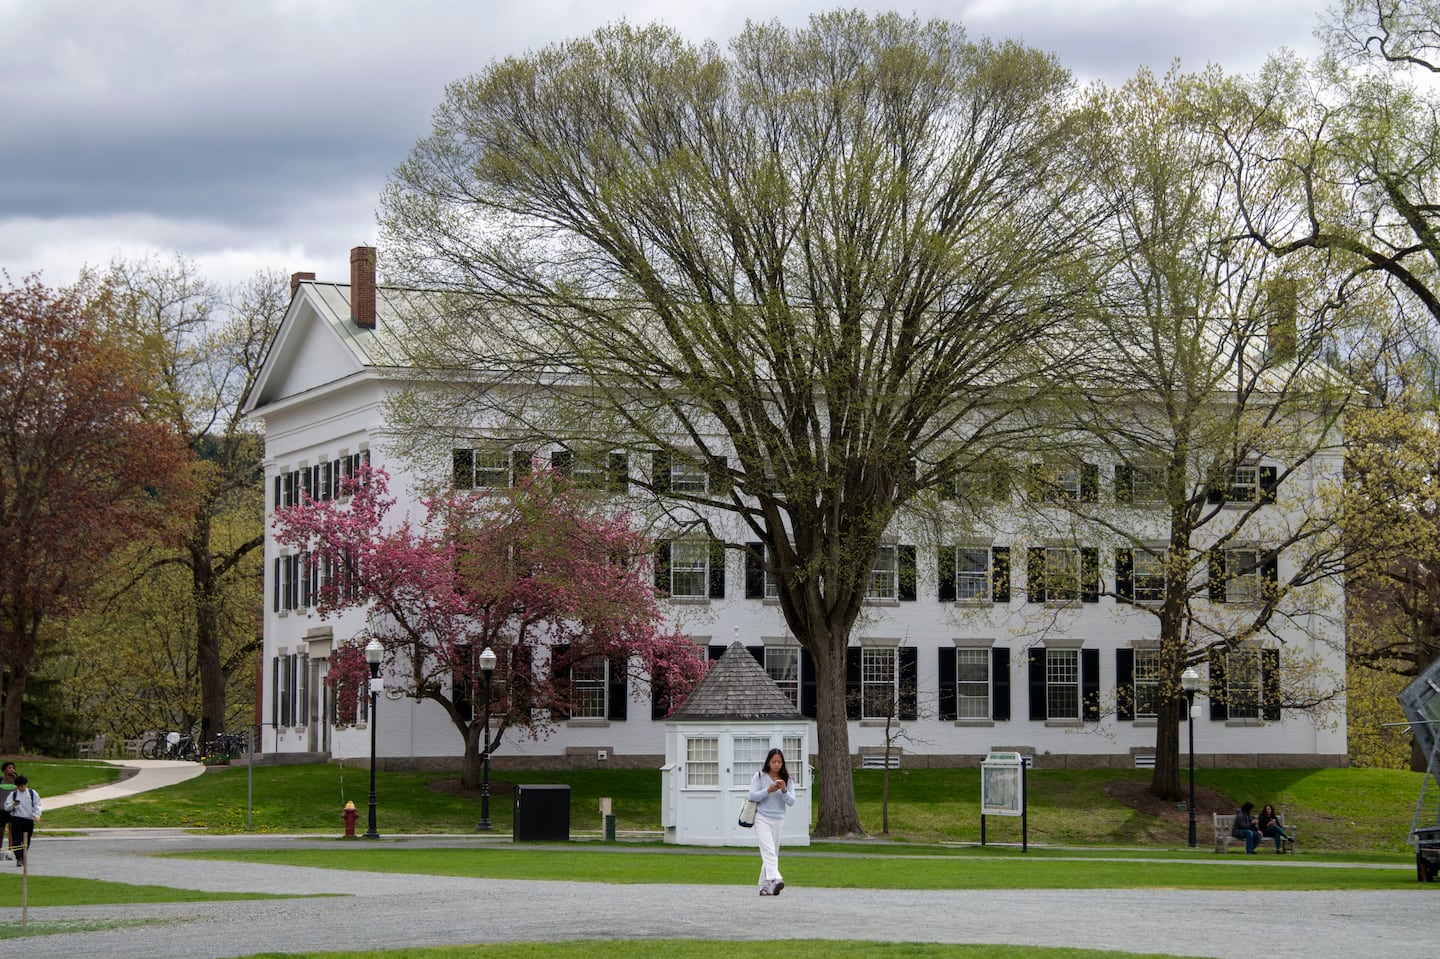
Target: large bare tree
[(818, 267)]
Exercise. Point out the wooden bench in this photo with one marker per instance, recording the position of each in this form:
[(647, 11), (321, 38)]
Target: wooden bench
[(1223, 839), (94, 749)]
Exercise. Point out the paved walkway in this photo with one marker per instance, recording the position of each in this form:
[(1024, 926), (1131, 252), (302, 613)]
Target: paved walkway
[(378, 910), (149, 774)]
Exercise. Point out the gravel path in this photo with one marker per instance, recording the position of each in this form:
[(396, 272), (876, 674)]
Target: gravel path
[(375, 910)]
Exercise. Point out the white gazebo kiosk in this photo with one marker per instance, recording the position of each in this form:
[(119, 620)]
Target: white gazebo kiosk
[(717, 740)]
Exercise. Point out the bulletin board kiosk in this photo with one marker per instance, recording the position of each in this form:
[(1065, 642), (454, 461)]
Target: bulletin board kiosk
[(1002, 792)]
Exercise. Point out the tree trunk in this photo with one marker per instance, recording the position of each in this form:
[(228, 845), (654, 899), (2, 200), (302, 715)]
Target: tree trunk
[(14, 700), (837, 815), (1165, 783), (474, 759)]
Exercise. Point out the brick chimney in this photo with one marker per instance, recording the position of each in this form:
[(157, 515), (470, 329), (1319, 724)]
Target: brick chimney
[(296, 279), (362, 286)]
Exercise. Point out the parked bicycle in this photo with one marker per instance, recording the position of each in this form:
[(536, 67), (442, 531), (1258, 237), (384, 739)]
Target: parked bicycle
[(228, 745), (172, 745)]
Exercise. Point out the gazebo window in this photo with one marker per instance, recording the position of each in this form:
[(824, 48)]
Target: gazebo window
[(702, 761), (794, 749), (749, 757)]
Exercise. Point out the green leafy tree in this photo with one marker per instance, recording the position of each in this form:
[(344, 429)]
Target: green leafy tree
[(83, 470), (816, 270)]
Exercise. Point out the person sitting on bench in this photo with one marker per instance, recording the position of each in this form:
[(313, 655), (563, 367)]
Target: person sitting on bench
[(1269, 825), (1243, 827)]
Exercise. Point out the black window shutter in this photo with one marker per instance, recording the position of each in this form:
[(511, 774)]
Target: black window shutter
[(946, 557), (1000, 684), (275, 693), (1089, 574), (1270, 684), (277, 582), (1089, 482), (809, 707), (1124, 483), (521, 462), (1268, 480), (462, 468), (327, 487), (520, 679), (852, 682), (659, 699), (619, 473), (662, 567), (660, 471), (1270, 573), (1124, 575), (1124, 684), (617, 697), (1219, 708), (905, 559), (947, 706), (909, 682), (1035, 574), (719, 475), (462, 693), (1000, 574), (275, 503), (560, 679), (754, 571), (1039, 710), (1090, 684), (1218, 482), (717, 569), (1217, 576), (560, 461)]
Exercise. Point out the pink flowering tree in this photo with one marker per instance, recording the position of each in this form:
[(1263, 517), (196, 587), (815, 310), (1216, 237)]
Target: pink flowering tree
[(537, 573)]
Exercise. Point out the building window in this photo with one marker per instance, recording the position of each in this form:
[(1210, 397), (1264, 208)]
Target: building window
[(702, 762), (587, 686), (794, 747), (749, 757), (884, 575), (878, 682), (972, 683), (1244, 683), (1148, 574), (290, 678), (972, 574), (1146, 678), (1243, 583), (782, 663), (686, 477), (1149, 483), (689, 569), (1062, 574), (1062, 683)]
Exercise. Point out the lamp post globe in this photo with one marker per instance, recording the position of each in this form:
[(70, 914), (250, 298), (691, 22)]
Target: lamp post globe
[(1189, 682), (374, 652), (487, 669)]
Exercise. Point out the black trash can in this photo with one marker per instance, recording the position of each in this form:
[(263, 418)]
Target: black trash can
[(542, 813)]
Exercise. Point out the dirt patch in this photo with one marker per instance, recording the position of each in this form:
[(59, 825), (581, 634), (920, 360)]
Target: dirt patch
[(1137, 796)]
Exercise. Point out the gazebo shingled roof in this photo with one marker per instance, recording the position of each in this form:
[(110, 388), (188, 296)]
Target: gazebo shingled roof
[(737, 688)]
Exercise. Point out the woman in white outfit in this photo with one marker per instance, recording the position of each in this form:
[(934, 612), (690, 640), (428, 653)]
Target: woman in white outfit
[(770, 790)]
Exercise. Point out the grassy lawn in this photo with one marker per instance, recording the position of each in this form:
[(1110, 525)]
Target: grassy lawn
[(1338, 810), (67, 891), (693, 949), (1000, 869)]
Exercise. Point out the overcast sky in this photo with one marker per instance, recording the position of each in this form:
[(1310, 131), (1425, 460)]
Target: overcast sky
[(258, 134)]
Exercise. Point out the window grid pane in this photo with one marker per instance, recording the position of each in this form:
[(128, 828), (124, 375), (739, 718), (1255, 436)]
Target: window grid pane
[(702, 762), (792, 747), (492, 467), (1147, 683), (972, 683), (972, 574), (749, 757), (1149, 576), (687, 478), (1242, 566), (877, 677), (1243, 688), (783, 665), (1062, 683), (1062, 575), (689, 569), (587, 683), (882, 575)]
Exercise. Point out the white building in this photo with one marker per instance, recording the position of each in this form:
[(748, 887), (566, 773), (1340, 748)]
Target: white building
[(977, 654)]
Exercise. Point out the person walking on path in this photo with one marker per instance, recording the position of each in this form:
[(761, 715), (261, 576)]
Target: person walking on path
[(1244, 828), (770, 791), (7, 786), (23, 805)]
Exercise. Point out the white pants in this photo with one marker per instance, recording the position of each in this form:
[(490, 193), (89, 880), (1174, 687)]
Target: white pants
[(767, 833)]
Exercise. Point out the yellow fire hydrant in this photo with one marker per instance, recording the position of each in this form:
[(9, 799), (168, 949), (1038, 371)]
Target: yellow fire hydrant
[(350, 816)]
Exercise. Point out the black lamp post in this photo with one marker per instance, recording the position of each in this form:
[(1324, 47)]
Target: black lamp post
[(1189, 680), (373, 653), (487, 668)]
